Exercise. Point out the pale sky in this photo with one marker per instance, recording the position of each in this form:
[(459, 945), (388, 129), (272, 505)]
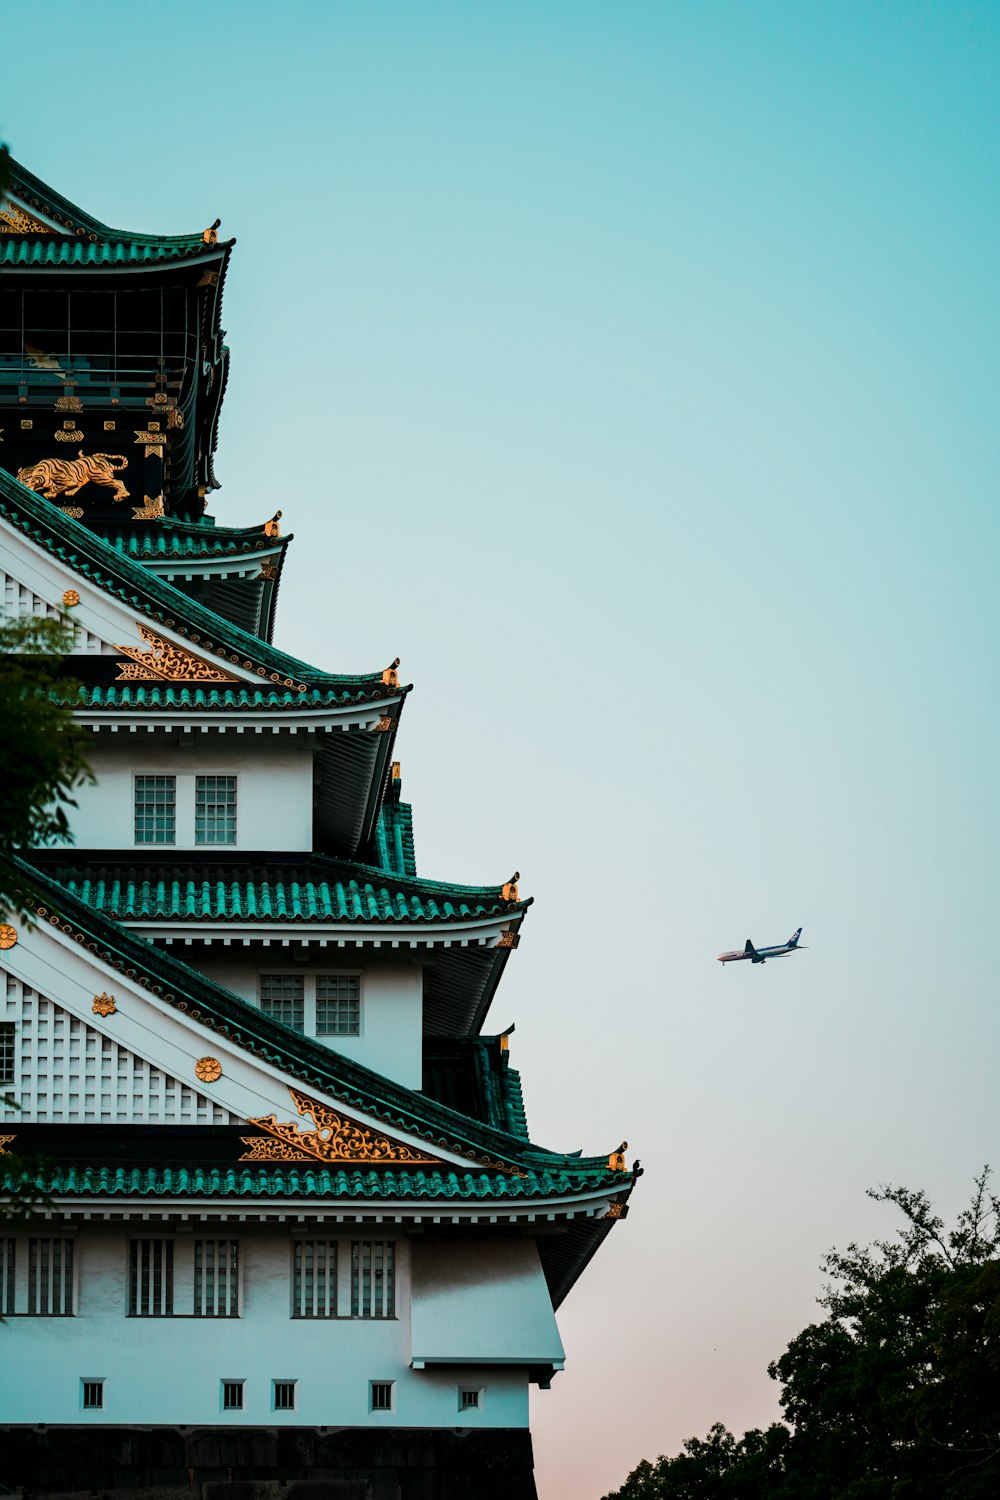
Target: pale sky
[(631, 370)]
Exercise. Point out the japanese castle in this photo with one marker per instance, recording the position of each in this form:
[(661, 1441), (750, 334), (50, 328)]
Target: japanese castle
[(295, 1226)]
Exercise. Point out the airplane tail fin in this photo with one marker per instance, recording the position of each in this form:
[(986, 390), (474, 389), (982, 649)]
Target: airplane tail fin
[(749, 947), (793, 941)]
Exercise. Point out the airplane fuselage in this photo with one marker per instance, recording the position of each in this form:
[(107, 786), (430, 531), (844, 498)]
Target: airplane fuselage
[(761, 955)]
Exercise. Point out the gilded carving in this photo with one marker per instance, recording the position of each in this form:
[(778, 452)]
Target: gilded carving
[(165, 662), (5, 1141), (68, 403), (104, 1004), (271, 527), (65, 476), (509, 940), (69, 435), (616, 1161), (27, 423), (151, 511), (208, 1069), (209, 278), (390, 677), (75, 511), (268, 571), (334, 1139), (615, 1211), (8, 935), (384, 724), (109, 427), (509, 889), (70, 597), (14, 220)]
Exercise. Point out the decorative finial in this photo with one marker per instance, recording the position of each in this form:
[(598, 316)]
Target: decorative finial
[(509, 891), (271, 527), (616, 1161), (211, 234), (505, 1037), (390, 677)]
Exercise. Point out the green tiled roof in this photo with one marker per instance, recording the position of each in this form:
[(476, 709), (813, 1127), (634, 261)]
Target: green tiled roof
[(264, 888), (394, 835), (116, 696), (171, 539), (156, 598)]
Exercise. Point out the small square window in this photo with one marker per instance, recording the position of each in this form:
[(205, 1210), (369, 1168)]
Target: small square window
[(92, 1395), (232, 1395), (283, 1395), (380, 1395), (469, 1398), (215, 810)]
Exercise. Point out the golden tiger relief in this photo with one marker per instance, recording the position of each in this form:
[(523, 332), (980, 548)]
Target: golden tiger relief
[(65, 476)]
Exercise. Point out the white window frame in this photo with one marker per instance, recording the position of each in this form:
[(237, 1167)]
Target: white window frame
[(309, 1006)]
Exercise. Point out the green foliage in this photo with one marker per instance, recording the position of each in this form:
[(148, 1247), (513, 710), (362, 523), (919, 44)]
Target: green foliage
[(895, 1395), (42, 756)]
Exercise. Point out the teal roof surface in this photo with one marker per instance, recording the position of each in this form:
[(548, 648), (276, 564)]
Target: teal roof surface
[(394, 835), (170, 539)]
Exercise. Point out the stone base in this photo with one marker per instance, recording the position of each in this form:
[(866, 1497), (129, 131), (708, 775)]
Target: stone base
[(267, 1463)]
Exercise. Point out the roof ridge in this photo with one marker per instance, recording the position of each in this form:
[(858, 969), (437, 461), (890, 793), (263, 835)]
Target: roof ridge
[(40, 195)]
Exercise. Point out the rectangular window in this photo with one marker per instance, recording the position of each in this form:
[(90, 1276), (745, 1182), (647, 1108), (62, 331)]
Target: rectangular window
[(215, 810), (92, 1395), (283, 1395), (155, 809), (6, 1051), (314, 1279), (338, 1005), (50, 1277), (151, 1278), (468, 1399), (216, 1268), (232, 1395), (380, 1395), (7, 1248), (373, 1279), (282, 996)]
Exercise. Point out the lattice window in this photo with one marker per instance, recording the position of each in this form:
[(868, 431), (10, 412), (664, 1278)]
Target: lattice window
[(150, 1278), (66, 1070), (155, 809), (7, 1051), (282, 996), (373, 1279), (380, 1395), (283, 1395), (338, 1005), (216, 1278), (215, 810), (50, 1277), (314, 1279), (8, 1266)]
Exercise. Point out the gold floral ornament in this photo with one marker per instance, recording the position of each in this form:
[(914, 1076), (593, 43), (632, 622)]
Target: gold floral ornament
[(104, 1004), (165, 662), (8, 935), (70, 598), (334, 1139), (208, 1069)]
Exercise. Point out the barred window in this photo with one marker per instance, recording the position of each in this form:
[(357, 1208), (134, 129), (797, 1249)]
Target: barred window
[(373, 1279), (215, 810), (50, 1277), (282, 996), (155, 809), (232, 1395), (6, 1051), (283, 1395), (92, 1395), (7, 1263), (216, 1268), (380, 1395), (468, 1398), (314, 1279), (338, 1005), (151, 1278)]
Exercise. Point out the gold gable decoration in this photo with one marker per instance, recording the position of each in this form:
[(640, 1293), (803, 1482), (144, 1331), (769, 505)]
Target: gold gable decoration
[(14, 220), (165, 662), (335, 1139)]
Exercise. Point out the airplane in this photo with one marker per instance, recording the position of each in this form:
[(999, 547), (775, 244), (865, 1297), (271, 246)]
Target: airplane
[(761, 955)]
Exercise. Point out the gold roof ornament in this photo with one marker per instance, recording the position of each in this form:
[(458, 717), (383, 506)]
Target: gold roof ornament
[(211, 234), (166, 662), (390, 677), (509, 891), (5, 1141), (616, 1161), (208, 1069), (104, 1004), (8, 935), (151, 511), (70, 596), (271, 527), (65, 476), (336, 1138)]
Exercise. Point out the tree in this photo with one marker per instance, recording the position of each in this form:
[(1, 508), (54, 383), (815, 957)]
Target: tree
[(895, 1395), (42, 757)]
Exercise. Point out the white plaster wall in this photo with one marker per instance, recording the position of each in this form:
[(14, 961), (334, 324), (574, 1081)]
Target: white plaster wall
[(489, 1299), (391, 1039), (274, 791), (169, 1370)]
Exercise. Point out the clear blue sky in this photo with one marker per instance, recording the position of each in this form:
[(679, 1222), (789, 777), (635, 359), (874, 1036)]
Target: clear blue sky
[(631, 370)]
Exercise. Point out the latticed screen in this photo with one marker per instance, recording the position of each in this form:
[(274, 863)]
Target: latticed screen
[(338, 1005), (215, 810), (373, 1279), (50, 1277), (7, 1248), (314, 1279), (151, 1278), (282, 996), (155, 809), (6, 1052), (216, 1267)]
